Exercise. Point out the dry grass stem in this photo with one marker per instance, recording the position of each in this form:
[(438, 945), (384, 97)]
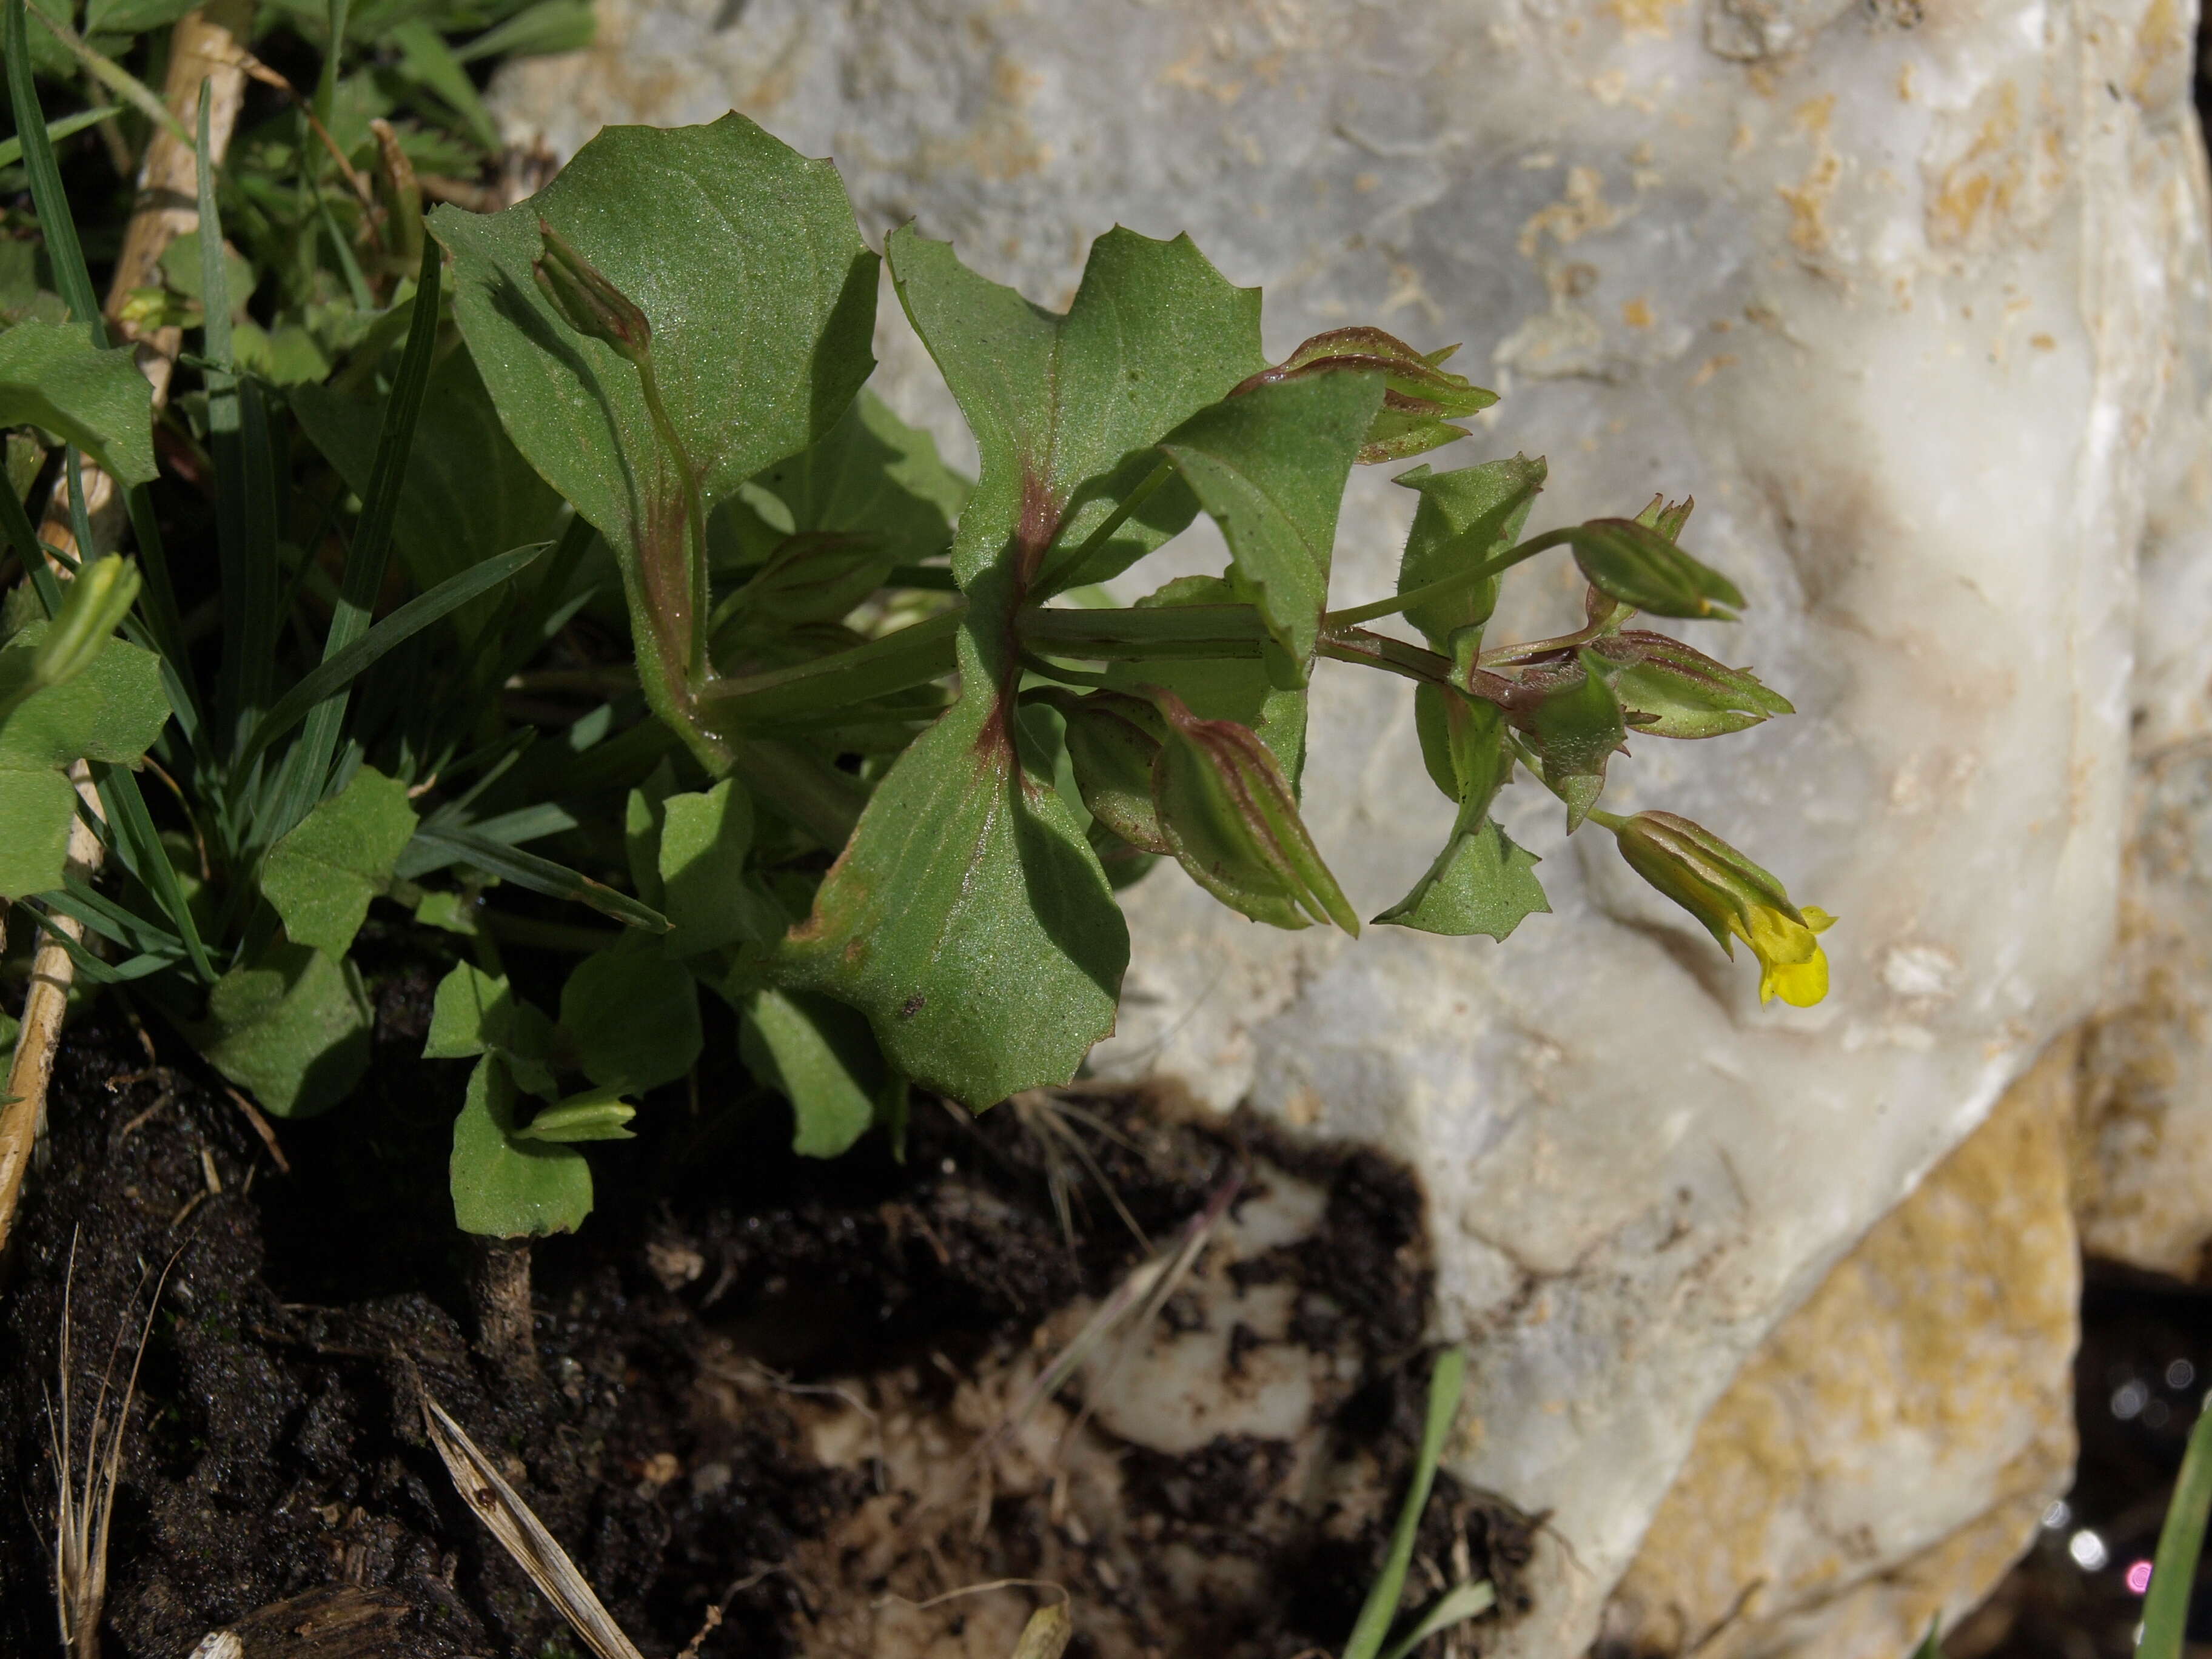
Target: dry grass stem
[(523, 1536), (84, 1505)]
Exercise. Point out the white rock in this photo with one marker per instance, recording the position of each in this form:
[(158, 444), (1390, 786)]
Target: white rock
[(1911, 312)]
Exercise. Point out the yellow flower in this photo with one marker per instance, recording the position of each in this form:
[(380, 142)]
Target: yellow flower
[(1792, 963), (1734, 898)]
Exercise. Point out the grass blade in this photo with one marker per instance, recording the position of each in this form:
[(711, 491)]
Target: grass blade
[(540, 876), (1454, 1607), (2180, 1542), (523, 1536), (1382, 1604), (11, 149), (341, 668), (64, 254), (308, 765), (141, 845)]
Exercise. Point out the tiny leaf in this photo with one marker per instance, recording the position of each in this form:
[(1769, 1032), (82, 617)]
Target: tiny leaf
[(475, 1013), (1481, 883), (291, 1028), (1465, 517), (322, 874), (818, 1054), (54, 377), (506, 1186), (632, 1016)]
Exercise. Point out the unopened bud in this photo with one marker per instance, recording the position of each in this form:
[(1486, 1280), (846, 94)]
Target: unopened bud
[(92, 607), (586, 301), (1227, 813), (1672, 690), (1640, 566), (1420, 398), (1734, 899)]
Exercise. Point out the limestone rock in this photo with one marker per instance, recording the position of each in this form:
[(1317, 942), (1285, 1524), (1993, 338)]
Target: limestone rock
[(1915, 310), (1887, 1454)]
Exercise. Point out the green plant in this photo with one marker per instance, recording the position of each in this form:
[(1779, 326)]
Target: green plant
[(873, 755)]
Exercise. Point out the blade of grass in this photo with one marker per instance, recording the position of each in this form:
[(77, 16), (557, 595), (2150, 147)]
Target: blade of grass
[(341, 668), (140, 847), (543, 876), (326, 86), (11, 149), (23, 536), (64, 254), (112, 75), (1454, 1607), (1381, 1606), (110, 921), (2180, 1542), (308, 764)]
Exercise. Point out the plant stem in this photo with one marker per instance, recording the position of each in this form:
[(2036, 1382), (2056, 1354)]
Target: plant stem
[(695, 508), (1145, 633), (1043, 588), (914, 655), (1449, 586)]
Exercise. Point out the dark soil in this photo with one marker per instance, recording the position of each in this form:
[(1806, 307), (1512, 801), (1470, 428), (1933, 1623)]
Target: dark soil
[(275, 1445), (2144, 1367)]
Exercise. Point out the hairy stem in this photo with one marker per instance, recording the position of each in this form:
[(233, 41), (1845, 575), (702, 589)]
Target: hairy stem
[(695, 510), (1060, 567), (1449, 586)]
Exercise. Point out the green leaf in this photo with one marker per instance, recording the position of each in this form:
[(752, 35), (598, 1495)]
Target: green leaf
[(746, 260), (132, 17), (110, 712), (506, 1186), (967, 918), (818, 1054), (632, 1018), (1269, 466), (54, 377), (1223, 688), (709, 895), (1112, 741), (182, 271), (427, 60), (1465, 517), (594, 1114), (550, 26), (292, 1029), (474, 1012), (467, 494), (872, 475), (321, 876), (1066, 409), (643, 814), (1576, 731), (1481, 883)]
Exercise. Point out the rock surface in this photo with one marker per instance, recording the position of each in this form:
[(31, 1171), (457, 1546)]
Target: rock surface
[(1912, 302), (1889, 1452)]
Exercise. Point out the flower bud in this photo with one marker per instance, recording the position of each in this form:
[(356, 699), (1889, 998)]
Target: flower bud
[(1420, 399), (1227, 813), (1672, 690), (586, 301), (92, 607), (1638, 565), (1734, 899)]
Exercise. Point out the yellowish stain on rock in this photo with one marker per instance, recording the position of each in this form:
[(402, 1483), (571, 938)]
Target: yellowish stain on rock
[(1582, 210), (1991, 171), (1942, 1346), (1644, 17)]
